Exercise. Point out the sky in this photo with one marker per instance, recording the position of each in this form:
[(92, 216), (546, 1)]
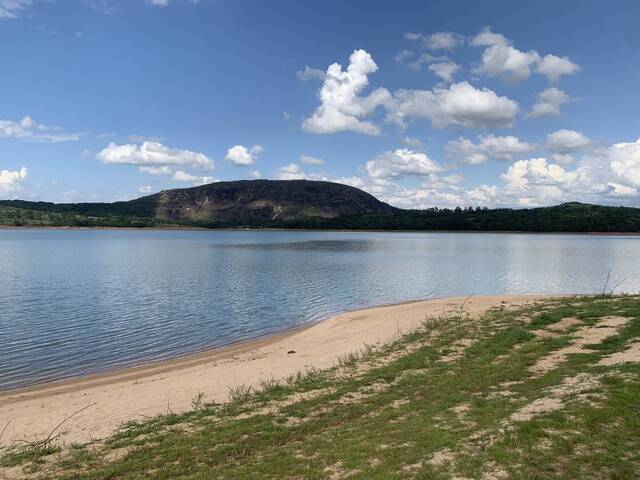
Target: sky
[(421, 103)]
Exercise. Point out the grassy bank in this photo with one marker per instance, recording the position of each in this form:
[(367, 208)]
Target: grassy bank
[(546, 391)]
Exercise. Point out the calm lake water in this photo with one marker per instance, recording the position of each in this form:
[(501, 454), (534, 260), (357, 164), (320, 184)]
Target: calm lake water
[(74, 302)]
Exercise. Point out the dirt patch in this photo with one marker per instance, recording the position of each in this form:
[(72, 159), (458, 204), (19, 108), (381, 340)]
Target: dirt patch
[(572, 387), (441, 457), (630, 355), (461, 409), (604, 328), (336, 471), (564, 324), (457, 350)]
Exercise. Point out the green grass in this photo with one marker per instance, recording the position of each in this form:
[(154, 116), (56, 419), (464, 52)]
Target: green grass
[(401, 411)]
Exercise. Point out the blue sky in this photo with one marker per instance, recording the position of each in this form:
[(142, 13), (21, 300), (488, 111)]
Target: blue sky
[(438, 103)]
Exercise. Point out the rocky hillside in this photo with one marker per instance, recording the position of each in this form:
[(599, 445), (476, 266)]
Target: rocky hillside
[(251, 200)]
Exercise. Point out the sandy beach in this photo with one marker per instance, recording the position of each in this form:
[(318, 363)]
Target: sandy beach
[(136, 393)]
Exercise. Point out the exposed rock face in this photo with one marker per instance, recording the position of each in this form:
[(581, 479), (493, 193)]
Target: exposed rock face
[(251, 200)]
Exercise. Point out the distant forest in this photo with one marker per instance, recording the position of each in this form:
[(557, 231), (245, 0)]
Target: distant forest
[(568, 217)]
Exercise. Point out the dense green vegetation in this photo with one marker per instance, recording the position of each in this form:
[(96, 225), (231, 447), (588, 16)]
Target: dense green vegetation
[(545, 391), (570, 217)]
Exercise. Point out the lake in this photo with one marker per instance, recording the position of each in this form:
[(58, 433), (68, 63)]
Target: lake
[(75, 302)]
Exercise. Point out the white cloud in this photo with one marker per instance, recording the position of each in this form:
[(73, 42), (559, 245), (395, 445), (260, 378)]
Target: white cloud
[(443, 41), (104, 7), (181, 176), (622, 190), (341, 107), (425, 59), (161, 170), (240, 155), (444, 70), (625, 162), (563, 143), (309, 73), (437, 41), (12, 8), (142, 138), (486, 38), (553, 67), (290, 172), (413, 62), (412, 36), (11, 180), (403, 56), (460, 104), (309, 160), (489, 146), (413, 143), (502, 60), (255, 174), (549, 103), (537, 182), (152, 154), (399, 163), (28, 130), (158, 3), (146, 189)]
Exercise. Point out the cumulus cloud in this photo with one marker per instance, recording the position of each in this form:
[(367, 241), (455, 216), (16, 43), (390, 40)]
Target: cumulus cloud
[(502, 60), (443, 41), (618, 190), (609, 175), (549, 103), (416, 62), (553, 67), (341, 106), (625, 162), (403, 56), (11, 180), (309, 73), (537, 182), (436, 41), (425, 59), (563, 143), (241, 156), (460, 104), (290, 172), (158, 3), (400, 163), (489, 146), (181, 176), (12, 8), (29, 130), (309, 160), (152, 154), (146, 189), (444, 70), (162, 170)]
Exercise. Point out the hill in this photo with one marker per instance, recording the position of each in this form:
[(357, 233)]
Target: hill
[(308, 204)]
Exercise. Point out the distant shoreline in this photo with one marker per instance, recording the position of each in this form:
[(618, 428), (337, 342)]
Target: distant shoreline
[(253, 229)]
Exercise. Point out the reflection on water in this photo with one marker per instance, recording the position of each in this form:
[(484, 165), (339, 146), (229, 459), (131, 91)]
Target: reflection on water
[(75, 302)]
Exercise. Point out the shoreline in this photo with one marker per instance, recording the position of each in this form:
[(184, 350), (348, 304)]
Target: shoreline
[(253, 229), (147, 390)]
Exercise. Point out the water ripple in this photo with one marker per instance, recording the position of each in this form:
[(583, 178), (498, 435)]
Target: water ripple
[(81, 302)]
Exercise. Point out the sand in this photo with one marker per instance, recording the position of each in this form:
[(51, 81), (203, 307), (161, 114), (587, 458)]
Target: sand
[(137, 393)]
